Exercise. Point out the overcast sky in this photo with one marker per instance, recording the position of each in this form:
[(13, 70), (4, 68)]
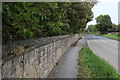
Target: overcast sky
[(109, 7)]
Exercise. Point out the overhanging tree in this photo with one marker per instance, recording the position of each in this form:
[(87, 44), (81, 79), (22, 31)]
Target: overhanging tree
[(79, 14), (23, 20)]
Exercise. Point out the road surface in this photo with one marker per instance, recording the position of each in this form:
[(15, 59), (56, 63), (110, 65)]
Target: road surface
[(105, 48)]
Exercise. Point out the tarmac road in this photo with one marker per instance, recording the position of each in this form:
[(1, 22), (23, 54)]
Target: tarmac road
[(104, 47)]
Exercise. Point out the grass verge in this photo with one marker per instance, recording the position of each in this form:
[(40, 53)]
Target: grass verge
[(92, 66), (112, 35)]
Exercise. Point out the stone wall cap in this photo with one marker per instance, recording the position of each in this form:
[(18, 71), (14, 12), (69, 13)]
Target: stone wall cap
[(22, 46)]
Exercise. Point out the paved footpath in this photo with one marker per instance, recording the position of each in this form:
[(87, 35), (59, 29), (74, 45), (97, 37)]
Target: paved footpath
[(67, 66)]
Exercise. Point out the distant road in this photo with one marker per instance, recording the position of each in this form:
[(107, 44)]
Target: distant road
[(105, 48)]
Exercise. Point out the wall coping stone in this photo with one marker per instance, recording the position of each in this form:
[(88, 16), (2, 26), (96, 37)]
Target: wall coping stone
[(28, 45)]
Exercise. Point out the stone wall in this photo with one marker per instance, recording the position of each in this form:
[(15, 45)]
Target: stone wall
[(40, 56)]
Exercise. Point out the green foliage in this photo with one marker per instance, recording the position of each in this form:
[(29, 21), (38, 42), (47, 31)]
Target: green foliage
[(92, 66), (112, 36), (115, 28), (103, 23), (78, 15), (92, 28), (23, 20)]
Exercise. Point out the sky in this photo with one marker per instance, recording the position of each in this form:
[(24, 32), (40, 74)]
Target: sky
[(104, 7)]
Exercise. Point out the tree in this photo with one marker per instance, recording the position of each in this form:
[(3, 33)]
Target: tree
[(119, 27), (24, 20), (79, 14), (114, 28), (103, 23), (92, 28)]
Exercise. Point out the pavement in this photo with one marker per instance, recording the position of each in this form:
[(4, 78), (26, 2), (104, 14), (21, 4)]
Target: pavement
[(67, 66), (104, 47)]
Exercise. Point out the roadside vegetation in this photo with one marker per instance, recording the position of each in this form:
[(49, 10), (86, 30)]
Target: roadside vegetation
[(104, 27), (112, 36), (92, 66), (26, 20)]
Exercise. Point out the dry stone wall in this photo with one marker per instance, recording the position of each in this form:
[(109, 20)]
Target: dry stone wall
[(39, 58)]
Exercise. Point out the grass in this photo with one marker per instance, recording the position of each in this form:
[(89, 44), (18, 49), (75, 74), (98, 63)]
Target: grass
[(112, 35), (92, 66)]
